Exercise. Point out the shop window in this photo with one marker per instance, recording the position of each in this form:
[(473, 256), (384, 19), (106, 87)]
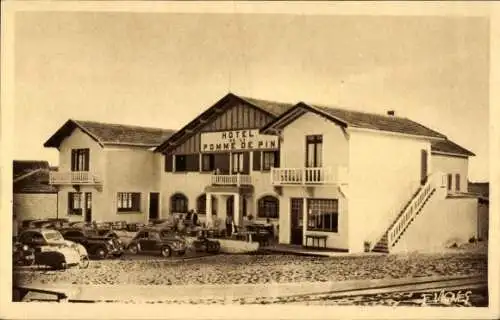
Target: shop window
[(322, 215)]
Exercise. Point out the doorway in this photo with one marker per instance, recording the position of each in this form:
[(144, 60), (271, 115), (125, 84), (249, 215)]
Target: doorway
[(154, 205), (230, 206), (296, 220), (88, 206)]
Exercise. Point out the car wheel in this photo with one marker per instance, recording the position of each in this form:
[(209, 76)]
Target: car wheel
[(29, 262), (181, 253), (166, 251), (133, 249), (101, 253), (84, 262)]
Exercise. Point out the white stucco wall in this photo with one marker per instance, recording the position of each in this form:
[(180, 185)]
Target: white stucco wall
[(384, 171), (28, 206), (453, 165), (80, 140), (335, 153), (129, 169), (440, 223), (193, 184)]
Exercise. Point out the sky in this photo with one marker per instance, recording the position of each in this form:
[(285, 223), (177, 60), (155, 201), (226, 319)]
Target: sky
[(163, 69)]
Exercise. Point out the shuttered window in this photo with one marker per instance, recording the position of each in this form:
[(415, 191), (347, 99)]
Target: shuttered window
[(256, 160), (75, 203), (169, 160)]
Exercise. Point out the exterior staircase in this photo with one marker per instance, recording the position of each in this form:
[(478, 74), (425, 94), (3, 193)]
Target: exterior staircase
[(404, 219)]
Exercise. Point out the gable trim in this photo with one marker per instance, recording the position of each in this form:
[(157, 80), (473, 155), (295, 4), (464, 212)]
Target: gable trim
[(194, 126), (293, 114), (65, 131)]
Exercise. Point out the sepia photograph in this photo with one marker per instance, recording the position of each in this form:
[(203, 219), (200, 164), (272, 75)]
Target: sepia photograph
[(238, 155)]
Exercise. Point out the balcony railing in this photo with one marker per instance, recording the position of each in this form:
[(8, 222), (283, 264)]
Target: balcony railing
[(308, 176), (73, 178), (231, 179)]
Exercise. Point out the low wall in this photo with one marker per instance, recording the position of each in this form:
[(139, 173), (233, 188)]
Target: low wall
[(441, 223)]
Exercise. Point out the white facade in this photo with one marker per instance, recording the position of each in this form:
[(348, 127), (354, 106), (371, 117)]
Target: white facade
[(118, 170), (455, 167)]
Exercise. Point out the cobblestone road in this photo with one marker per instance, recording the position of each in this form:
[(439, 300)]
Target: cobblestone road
[(237, 269)]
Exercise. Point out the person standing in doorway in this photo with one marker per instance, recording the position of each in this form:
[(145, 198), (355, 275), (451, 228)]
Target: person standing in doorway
[(229, 225)]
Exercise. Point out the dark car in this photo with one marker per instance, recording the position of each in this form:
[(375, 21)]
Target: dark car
[(97, 246), (156, 241)]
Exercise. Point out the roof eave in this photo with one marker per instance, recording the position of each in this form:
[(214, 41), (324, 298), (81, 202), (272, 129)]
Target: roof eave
[(416, 136), (454, 154), (56, 139)]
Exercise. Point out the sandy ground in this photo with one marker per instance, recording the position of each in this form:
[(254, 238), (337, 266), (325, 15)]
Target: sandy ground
[(239, 269)]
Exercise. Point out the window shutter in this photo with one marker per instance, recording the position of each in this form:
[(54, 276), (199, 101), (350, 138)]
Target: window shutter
[(246, 162), (87, 159), (192, 163), (70, 202), (73, 159), (256, 160), (168, 162), (276, 159)]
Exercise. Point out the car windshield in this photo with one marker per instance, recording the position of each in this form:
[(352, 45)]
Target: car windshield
[(51, 236), (102, 232)]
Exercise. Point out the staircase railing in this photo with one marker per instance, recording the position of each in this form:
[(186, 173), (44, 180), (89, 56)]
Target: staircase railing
[(409, 212)]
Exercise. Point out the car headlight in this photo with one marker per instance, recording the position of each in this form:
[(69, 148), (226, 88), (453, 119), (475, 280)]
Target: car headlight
[(110, 241), (25, 247)]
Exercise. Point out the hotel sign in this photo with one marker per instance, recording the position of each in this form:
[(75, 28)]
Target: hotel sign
[(237, 140)]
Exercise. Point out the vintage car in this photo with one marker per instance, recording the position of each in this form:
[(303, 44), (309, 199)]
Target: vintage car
[(52, 250), (98, 246), (155, 241), (22, 255)]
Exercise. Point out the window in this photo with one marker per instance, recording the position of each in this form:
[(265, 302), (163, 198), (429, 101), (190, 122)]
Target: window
[(322, 215), (270, 159), (169, 159), (178, 203), (80, 159), (457, 182), (180, 163), (187, 163), (201, 204), (207, 162), (75, 203), (238, 162), (450, 178), (129, 201), (268, 207), (314, 146)]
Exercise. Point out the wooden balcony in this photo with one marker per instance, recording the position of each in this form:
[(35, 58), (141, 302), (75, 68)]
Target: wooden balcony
[(231, 180), (74, 178), (308, 176)]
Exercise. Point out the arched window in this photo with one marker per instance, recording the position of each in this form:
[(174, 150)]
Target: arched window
[(201, 204), (178, 203), (268, 207)]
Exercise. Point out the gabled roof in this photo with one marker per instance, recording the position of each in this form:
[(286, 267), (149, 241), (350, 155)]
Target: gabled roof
[(449, 147), (22, 167), (111, 134), (32, 177), (272, 108), (356, 119)]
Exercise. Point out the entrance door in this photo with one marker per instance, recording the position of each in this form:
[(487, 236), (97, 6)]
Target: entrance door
[(423, 166), (88, 206), (230, 206), (154, 198), (296, 222)]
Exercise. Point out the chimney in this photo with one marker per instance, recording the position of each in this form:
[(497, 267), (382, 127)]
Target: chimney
[(391, 113)]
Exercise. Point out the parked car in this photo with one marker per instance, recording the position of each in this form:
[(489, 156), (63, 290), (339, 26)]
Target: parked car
[(119, 225), (155, 241), (203, 244), (22, 255), (97, 246), (52, 250), (134, 226)]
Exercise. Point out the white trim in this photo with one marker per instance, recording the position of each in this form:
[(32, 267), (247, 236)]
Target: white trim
[(350, 128), (442, 153)]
